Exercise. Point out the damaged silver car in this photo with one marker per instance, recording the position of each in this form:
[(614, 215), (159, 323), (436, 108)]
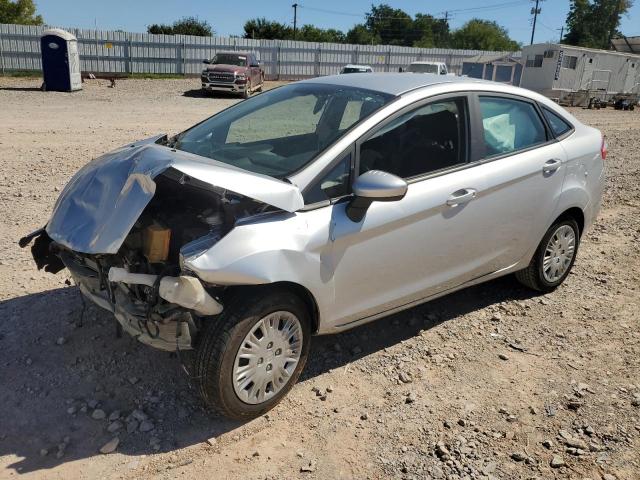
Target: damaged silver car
[(319, 206)]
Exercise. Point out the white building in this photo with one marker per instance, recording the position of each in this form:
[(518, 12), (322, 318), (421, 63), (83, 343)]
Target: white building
[(575, 74)]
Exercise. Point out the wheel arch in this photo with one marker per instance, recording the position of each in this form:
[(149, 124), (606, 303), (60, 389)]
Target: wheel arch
[(576, 214), (236, 293)]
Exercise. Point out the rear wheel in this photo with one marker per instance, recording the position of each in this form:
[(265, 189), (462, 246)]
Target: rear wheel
[(250, 358), (554, 257)]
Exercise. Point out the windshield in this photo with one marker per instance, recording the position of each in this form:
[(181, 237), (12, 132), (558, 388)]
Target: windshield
[(282, 130), (423, 68), (230, 59)]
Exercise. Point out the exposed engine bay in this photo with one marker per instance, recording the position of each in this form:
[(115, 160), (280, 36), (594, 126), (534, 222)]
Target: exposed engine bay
[(143, 284)]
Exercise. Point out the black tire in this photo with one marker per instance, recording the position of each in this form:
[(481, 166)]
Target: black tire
[(259, 89), (221, 339), (533, 276), (247, 91)]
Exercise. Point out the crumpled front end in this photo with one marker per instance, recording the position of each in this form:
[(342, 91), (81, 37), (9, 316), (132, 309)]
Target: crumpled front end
[(126, 221)]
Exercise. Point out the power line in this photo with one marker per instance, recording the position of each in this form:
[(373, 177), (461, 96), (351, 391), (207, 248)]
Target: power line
[(488, 7), (333, 12), (447, 14), (551, 29)]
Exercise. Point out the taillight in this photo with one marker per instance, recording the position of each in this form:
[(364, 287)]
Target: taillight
[(603, 149)]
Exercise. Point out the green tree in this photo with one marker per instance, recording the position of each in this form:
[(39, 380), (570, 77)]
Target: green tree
[(392, 25), (428, 31), (184, 26), (579, 24), (309, 33), (160, 29), (361, 35), (479, 34), (606, 20), (21, 12), (594, 23), (266, 29)]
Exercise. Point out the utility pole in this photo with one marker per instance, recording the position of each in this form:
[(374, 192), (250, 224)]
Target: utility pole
[(561, 32), (295, 19), (535, 11)]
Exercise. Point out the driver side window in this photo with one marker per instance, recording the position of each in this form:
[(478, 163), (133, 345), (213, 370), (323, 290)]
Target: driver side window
[(424, 140)]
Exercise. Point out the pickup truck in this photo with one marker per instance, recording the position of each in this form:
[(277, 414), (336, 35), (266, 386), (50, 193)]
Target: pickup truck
[(439, 68), (235, 72)]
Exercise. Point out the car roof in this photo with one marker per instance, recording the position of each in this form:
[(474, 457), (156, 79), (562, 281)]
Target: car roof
[(235, 53), (390, 83), (352, 65)]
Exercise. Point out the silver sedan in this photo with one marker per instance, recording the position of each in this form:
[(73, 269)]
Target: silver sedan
[(319, 206)]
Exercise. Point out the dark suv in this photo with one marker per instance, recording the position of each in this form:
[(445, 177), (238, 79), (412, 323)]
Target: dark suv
[(237, 72)]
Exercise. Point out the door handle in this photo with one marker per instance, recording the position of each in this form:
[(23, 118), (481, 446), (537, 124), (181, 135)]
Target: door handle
[(459, 197), (551, 166)]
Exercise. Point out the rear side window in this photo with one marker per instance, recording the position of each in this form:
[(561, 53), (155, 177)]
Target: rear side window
[(510, 125), (558, 125)]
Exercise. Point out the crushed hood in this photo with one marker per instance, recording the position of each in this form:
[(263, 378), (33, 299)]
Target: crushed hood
[(103, 200)]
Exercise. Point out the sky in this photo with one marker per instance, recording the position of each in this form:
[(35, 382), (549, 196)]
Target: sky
[(228, 17)]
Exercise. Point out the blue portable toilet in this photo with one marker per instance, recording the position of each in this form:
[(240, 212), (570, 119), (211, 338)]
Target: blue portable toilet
[(60, 61)]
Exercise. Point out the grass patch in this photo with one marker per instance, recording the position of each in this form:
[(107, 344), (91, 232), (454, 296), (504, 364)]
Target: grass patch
[(22, 73), (153, 76), (145, 76)]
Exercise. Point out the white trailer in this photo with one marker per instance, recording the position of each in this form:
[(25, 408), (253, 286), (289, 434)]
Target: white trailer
[(574, 75)]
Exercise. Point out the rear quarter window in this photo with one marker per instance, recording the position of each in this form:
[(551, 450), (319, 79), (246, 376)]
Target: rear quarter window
[(559, 126)]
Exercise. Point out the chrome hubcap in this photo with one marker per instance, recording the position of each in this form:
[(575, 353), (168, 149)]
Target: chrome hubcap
[(267, 357), (559, 253)]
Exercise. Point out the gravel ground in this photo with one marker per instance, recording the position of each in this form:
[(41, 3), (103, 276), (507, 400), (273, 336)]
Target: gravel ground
[(490, 382)]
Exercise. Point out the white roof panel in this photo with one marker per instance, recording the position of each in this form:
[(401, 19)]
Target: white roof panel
[(58, 32)]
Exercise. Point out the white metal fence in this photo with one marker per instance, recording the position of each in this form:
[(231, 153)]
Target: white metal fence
[(118, 52)]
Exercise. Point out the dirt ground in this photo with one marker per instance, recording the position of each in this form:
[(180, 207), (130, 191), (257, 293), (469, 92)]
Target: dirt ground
[(493, 381)]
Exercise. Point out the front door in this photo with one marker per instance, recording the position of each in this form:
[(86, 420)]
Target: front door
[(429, 241)]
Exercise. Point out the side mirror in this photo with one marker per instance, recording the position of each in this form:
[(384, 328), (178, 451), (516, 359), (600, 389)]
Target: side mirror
[(255, 64), (374, 186), (207, 61)]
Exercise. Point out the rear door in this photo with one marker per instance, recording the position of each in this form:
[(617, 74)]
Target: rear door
[(523, 168), (255, 71)]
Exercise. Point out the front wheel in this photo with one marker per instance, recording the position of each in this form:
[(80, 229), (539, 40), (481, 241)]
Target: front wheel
[(554, 257), (253, 354), (247, 91)]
